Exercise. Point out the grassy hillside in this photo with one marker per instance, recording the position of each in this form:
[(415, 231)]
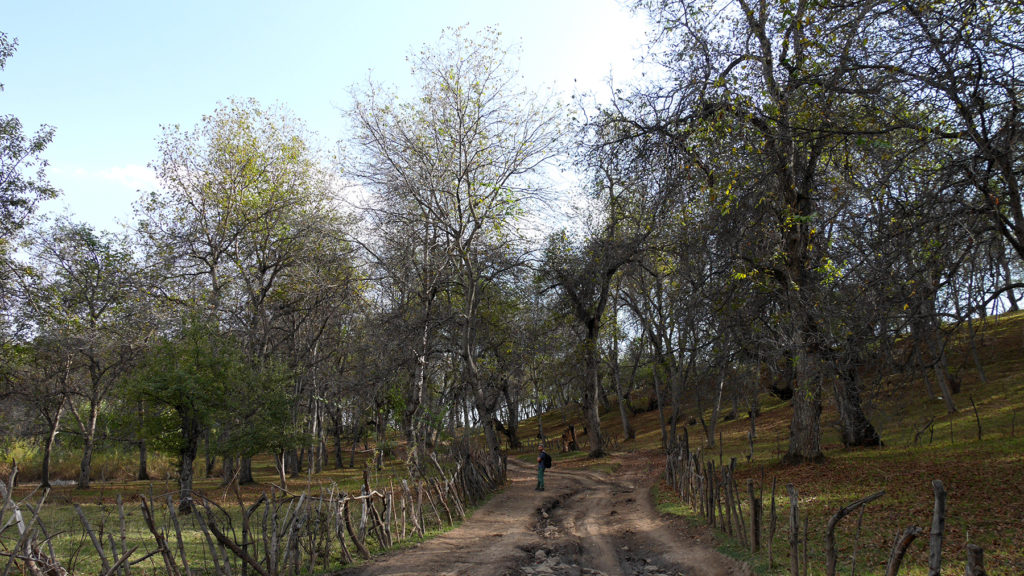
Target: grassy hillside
[(983, 477)]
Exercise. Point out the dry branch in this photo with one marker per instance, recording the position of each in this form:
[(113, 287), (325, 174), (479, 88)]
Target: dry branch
[(830, 537), (899, 549)]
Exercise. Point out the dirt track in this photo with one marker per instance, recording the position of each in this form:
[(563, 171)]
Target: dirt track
[(585, 523)]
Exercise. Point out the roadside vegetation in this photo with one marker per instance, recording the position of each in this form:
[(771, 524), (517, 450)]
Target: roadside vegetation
[(798, 243)]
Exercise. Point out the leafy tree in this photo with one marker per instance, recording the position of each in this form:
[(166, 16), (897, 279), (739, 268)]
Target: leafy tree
[(453, 168), (245, 219), (583, 270), (756, 124), (187, 381), (84, 308), (22, 178), (23, 185)]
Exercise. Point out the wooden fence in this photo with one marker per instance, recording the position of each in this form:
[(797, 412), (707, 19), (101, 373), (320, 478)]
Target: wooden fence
[(714, 494), (279, 534)]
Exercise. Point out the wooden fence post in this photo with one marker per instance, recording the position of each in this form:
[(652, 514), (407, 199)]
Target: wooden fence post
[(755, 518), (771, 528), (975, 561), (794, 531), (938, 526), (830, 537), (899, 549)]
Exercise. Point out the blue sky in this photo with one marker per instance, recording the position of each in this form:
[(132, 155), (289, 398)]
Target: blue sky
[(108, 74)]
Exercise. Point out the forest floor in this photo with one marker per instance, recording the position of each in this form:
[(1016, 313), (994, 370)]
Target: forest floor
[(585, 522)]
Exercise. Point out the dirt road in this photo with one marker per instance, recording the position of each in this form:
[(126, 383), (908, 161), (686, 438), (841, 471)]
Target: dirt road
[(585, 523)]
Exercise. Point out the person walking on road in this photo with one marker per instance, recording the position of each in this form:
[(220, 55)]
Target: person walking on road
[(543, 461)]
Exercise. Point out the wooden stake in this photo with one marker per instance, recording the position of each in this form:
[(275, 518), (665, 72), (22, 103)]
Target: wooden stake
[(856, 543), (794, 531), (352, 534), (975, 561), (899, 549), (830, 538), (807, 566), (177, 531), (771, 528), (95, 542), (744, 536), (339, 529), (938, 526), (755, 518), (727, 483)]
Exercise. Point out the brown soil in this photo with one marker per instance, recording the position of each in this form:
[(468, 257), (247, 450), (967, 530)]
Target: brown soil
[(584, 523)]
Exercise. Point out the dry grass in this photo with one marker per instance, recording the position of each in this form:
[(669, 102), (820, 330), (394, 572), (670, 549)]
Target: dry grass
[(984, 479)]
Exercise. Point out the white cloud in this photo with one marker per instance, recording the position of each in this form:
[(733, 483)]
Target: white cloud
[(131, 176), (100, 196)]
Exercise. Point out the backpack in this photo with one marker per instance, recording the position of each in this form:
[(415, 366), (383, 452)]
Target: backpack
[(547, 460)]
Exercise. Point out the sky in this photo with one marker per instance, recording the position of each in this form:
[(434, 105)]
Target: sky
[(107, 75)]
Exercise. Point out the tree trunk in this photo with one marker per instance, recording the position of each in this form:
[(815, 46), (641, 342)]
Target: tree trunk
[(805, 428), (627, 427), (51, 439), (245, 470), (856, 429), (414, 401), (485, 411), (716, 410), (185, 503), (292, 462), (89, 439), (279, 463), (211, 458), (927, 333), (143, 473), (511, 428), (192, 432), (655, 374), (338, 460), (1008, 277), (228, 469), (591, 396), (938, 352)]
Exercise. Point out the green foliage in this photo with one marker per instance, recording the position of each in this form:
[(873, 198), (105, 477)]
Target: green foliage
[(23, 186), (199, 380), (19, 191)]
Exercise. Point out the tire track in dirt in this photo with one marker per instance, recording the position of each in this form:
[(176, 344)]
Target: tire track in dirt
[(585, 523)]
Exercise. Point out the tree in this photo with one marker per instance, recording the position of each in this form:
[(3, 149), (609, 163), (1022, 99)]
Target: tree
[(22, 186), (45, 382), (454, 167), (189, 381), (20, 191), (761, 118), (84, 307), (583, 271), (960, 61), (246, 217)]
